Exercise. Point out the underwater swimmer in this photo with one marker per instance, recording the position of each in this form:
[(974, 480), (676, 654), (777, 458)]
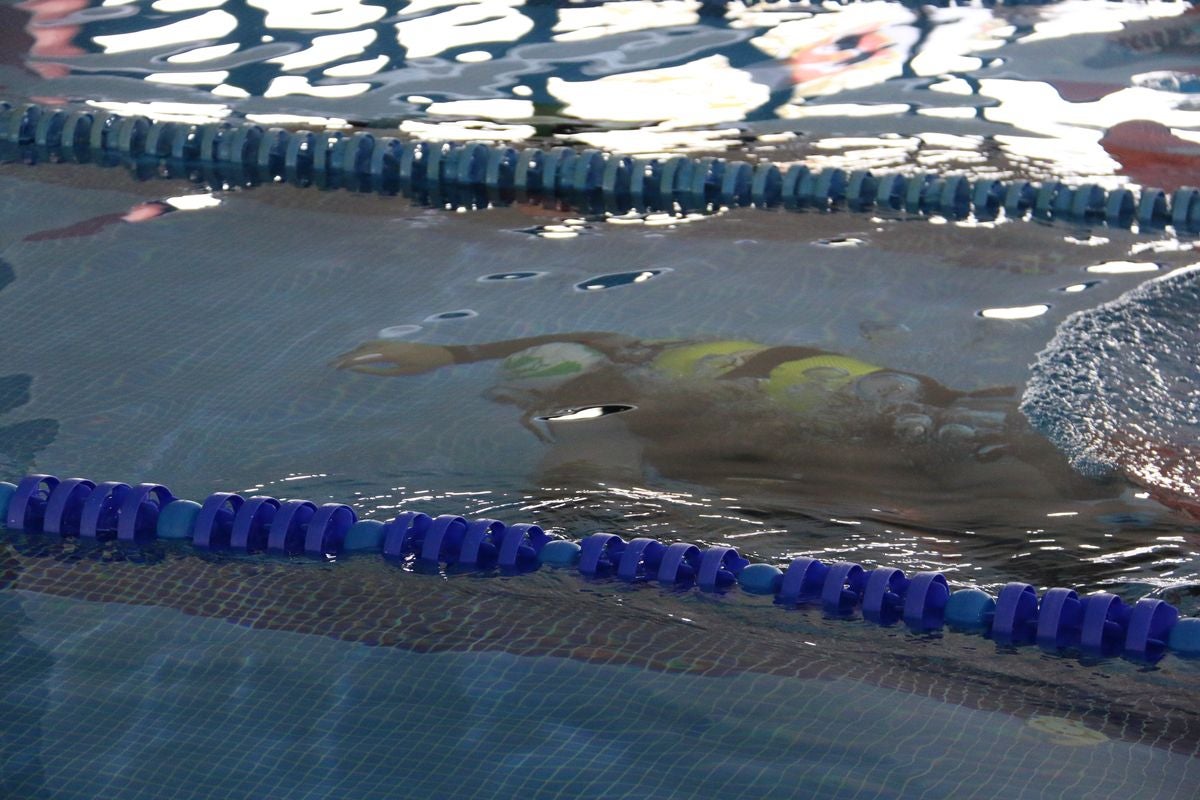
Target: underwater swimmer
[(786, 418)]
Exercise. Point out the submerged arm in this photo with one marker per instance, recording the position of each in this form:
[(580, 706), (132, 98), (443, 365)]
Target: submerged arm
[(394, 357), (607, 343)]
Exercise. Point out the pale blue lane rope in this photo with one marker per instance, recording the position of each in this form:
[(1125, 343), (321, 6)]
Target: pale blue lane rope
[(475, 174)]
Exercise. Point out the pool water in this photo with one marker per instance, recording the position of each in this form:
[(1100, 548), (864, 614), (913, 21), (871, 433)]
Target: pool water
[(360, 682), (956, 405)]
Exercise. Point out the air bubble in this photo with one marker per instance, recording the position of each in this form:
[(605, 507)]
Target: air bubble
[(398, 331), (616, 279), (504, 277), (462, 313)]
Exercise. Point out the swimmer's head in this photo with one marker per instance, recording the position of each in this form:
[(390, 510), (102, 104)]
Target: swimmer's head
[(546, 366), (883, 390)]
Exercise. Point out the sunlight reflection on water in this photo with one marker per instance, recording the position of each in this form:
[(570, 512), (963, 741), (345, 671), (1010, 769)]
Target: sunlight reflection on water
[(1076, 91), (1044, 86)]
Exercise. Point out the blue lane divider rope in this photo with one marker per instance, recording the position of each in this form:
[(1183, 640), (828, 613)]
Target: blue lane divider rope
[(475, 174), (1100, 624)]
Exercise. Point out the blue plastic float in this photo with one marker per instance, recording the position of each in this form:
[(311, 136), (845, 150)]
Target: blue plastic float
[(1099, 624)]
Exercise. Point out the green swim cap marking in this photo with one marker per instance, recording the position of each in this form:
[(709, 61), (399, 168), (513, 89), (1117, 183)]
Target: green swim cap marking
[(537, 367), (552, 363)]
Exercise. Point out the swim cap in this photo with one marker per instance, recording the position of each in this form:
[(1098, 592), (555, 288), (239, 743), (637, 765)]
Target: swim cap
[(808, 382), (548, 365), (706, 359)]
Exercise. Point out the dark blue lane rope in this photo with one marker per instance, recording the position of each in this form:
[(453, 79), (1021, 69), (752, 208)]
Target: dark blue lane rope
[(476, 174), (1099, 624)]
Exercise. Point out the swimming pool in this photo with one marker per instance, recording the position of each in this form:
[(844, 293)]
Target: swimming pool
[(235, 338)]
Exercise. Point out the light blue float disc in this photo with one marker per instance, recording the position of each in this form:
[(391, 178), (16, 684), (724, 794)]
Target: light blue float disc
[(1185, 637), (365, 534), (560, 553), (760, 579), (176, 519), (968, 609), (6, 493)]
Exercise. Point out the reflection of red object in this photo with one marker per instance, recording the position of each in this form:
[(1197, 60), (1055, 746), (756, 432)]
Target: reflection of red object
[(86, 227), (142, 212), (1188, 506), (831, 57), (1170, 472), (1084, 91), (1153, 156), (15, 43), (1180, 33), (50, 40)]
